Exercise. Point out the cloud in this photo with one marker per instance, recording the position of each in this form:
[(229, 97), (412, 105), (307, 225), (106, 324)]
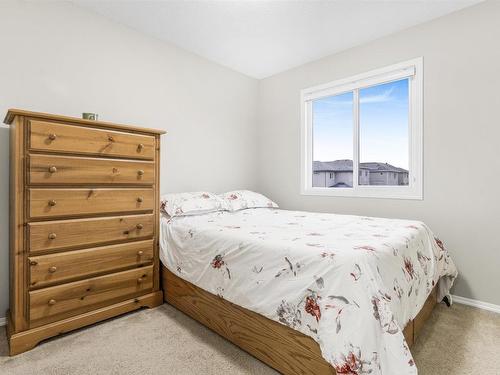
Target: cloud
[(379, 98), (326, 105), (332, 106)]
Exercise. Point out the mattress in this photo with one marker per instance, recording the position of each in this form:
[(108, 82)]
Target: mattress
[(349, 282)]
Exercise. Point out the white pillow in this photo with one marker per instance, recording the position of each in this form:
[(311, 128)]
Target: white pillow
[(195, 203), (242, 199)]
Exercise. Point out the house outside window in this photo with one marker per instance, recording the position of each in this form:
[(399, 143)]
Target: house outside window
[(365, 134)]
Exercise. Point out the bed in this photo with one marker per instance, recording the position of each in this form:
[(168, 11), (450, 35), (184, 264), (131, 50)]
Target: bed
[(307, 292)]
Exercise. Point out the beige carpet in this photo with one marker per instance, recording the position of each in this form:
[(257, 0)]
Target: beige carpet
[(460, 340)]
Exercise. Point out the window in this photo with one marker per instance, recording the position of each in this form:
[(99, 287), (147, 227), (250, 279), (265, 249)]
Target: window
[(369, 123)]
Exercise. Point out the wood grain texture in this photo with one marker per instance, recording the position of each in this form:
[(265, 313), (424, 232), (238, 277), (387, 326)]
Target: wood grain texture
[(86, 232), (18, 288), (61, 301), (55, 137), (25, 340), (84, 213), (156, 265), (45, 203), (49, 269), (12, 113), (409, 334), (69, 170), (284, 349), (424, 313)]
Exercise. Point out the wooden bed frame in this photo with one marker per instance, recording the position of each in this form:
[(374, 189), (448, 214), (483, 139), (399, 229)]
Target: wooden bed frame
[(283, 348)]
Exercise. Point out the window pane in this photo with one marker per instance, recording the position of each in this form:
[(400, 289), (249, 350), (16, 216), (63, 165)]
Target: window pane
[(332, 141), (383, 133)]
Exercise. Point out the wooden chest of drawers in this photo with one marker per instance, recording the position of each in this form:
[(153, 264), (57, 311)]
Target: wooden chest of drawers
[(84, 223)]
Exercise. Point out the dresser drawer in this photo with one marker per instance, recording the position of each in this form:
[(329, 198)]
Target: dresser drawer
[(58, 302), (67, 266), (77, 202), (61, 234), (51, 136), (48, 169)]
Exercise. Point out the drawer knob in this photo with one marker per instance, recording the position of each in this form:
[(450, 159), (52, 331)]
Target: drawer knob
[(33, 262), (139, 226), (52, 137), (52, 236), (53, 169), (140, 172), (140, 199), (140, 146), (52, 269), (110, 138), (140, 252), (139, 280), (52, 203), (52, 302)]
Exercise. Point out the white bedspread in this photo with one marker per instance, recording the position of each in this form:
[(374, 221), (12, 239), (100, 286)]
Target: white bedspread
[(350, 282)]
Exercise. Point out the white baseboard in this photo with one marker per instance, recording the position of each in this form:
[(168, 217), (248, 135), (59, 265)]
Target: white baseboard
[(475, 303), (3, 321)]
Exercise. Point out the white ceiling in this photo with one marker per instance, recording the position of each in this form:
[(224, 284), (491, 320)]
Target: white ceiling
[(262, 38)]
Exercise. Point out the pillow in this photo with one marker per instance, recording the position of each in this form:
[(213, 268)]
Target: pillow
[(183, 204), (242, 199)]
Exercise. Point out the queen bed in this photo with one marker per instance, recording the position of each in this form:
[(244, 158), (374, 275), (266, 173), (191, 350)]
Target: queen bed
[(306, 292)]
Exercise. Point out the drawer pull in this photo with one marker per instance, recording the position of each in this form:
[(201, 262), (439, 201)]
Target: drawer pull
[(52, 203), (52, 236), (52, 269), (140, 252), (140, 146), (110, 138), (139, 280), (139, 226), (52, 137), (52, 302), (33, 263), (53, 169), (140, 172), (140, 199)]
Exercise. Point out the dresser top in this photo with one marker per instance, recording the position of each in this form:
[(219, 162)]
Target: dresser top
[(12, 113)]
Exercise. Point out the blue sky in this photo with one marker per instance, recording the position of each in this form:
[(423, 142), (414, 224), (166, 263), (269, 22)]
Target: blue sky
[(383, 125)]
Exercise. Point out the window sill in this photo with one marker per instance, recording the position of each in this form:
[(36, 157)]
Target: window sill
[(379, 192)]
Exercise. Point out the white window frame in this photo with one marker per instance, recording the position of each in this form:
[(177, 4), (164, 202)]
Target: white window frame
[(412, 69)]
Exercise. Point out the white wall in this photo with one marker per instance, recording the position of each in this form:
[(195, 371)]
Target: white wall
[(58, 58), (462, 131)]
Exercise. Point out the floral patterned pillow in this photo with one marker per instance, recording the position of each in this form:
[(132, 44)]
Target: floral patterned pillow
[(242, 199), (182, 204)]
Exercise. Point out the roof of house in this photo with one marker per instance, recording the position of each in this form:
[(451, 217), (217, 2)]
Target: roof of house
[(333, 166), (345, 165), (341, 184), (381, 167)]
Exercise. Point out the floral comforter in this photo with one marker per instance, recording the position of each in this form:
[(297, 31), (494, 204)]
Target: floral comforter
[(349, 282)]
